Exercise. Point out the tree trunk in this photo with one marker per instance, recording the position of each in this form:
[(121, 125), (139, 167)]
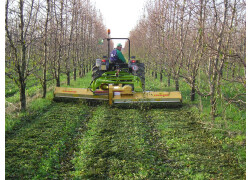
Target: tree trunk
[(23, 61), (44, 80), (44, 85), (58, 81), (68, 78), (81, 72), (213, 106), (23, 95), (193, 90), (161, 76), (74, 74), (177, 87), (169, 79), (84, 71)]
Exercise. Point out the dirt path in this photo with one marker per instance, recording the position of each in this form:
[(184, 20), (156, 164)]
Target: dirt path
[(76, 141)]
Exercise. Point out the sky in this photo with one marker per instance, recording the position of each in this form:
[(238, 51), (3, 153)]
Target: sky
[(120, 16)]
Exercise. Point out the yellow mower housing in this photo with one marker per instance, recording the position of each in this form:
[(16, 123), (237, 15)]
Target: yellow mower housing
[(120, 95)]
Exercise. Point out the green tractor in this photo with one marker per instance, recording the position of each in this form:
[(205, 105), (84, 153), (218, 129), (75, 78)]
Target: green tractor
[(118, 83), (104, 73)]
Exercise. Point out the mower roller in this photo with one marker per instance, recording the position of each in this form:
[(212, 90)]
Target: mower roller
[(118, 83)]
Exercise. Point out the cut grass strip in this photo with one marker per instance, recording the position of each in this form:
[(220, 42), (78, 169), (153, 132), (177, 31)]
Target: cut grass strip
[(36, 149), (120, 144), (194, 151), (153, 144)]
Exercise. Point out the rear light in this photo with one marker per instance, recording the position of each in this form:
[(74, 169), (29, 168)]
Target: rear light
[(133, 61), (135, 68), (103, 60)]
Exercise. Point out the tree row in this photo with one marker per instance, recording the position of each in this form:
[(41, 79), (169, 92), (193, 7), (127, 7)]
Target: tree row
[(200, 41), (48, 38)]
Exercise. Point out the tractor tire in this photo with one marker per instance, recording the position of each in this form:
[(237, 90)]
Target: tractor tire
[(141, 74), (96, 72)]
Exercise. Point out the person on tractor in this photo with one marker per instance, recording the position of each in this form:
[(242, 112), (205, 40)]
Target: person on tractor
[(116, 55)]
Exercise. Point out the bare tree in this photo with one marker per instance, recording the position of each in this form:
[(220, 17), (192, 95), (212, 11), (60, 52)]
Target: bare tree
[(195, 40), (44, 81), (48, 38), (19, 40)]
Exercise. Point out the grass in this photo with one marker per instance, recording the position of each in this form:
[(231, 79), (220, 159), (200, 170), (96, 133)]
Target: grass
[(198, 151), (35, 106), (36, 148), (113, 147), (33, 88), (153, 144), (230, 118), (102, 142)]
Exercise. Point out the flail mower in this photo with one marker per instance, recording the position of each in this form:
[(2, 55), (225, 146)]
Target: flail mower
[(118, 83)]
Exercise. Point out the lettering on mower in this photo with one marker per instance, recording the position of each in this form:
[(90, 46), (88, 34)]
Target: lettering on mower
[(161, 95), (69, 91)]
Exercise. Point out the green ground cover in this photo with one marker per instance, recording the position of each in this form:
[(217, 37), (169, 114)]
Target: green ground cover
[(80, 141), (36, 148), (153, 144)]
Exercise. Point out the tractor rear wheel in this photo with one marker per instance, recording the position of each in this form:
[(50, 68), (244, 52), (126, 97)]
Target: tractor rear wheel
[(141, 74), (96, 72)]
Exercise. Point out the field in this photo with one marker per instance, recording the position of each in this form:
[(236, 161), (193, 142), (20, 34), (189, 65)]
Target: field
[(82, 140)]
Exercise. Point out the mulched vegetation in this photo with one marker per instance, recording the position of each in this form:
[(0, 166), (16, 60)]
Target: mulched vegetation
[(153, 144), (38, 146)]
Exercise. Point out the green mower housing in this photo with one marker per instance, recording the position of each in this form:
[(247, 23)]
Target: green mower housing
[(112, 77)]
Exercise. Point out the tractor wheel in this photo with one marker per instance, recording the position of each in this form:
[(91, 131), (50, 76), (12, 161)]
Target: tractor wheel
[(96, 72), (141, 73)]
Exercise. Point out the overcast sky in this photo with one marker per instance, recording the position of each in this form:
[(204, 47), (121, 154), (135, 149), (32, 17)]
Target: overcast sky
[(120, 16)]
